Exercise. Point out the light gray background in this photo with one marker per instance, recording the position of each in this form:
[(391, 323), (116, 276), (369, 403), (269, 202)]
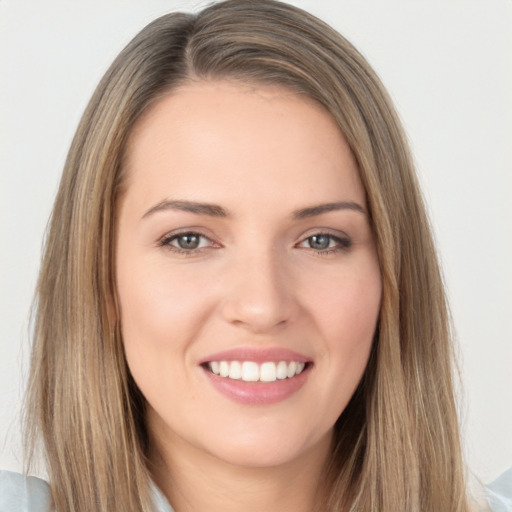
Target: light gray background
[(446, 63)]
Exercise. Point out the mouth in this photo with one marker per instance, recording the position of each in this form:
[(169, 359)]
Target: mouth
[(251, 371), (257, 376)]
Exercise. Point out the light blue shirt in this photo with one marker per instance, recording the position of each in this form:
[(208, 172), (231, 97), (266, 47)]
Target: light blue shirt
[(20, 493)]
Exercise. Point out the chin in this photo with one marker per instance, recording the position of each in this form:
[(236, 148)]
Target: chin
[(270, 450)]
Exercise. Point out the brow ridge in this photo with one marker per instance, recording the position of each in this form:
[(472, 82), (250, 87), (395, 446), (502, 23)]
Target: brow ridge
[(320, 209), (212, 210)]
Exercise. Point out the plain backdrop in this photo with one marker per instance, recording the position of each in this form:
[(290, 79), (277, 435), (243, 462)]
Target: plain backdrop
[(448, 67)]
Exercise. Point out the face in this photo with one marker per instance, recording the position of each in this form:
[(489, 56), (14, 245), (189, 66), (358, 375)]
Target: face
[(248, 280)]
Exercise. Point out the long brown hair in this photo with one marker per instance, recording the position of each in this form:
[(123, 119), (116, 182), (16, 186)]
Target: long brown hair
[(397, 442)]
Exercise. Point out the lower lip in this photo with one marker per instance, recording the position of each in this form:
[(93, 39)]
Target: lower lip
[(258, 393)]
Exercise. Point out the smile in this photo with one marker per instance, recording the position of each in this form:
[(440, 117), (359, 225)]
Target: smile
[(257, 376), (250, 371)]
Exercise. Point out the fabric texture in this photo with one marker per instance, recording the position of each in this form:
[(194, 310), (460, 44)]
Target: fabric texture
[(20, 493), (499, 493)]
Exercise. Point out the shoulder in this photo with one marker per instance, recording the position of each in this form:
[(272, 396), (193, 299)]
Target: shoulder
[(21, 493), (499, 493)]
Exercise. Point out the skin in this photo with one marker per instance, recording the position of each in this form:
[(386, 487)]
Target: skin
[(260, 153)]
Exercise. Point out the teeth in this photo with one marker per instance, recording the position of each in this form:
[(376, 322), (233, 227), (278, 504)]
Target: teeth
[(291, 369), (268, 372), (224, 369), (235, 370), (250, 371), (282, 370)]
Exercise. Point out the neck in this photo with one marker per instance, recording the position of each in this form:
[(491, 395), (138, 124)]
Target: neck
[(194, 481)]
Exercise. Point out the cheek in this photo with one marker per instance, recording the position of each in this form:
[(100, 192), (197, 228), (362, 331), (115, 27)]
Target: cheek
[(343, 312), (348, 310), (346, 315), (156, 305), (152, 315), (158, 320)]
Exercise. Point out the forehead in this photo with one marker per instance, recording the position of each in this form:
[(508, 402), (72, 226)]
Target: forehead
[(216, 138)]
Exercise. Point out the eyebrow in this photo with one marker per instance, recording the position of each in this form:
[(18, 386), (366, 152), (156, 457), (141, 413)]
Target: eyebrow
[(214, 210), (313, 211)]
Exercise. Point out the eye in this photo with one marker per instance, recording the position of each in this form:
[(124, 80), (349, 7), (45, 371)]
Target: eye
[(186, 242), (326, 243)]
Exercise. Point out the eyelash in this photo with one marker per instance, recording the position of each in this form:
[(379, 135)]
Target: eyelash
[(167, 240), (342, 244)]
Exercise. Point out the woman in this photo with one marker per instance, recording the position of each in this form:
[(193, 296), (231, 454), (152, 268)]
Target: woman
[(207, 328)]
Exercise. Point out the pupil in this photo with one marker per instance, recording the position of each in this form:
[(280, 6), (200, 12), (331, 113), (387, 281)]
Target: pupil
[(188, 241), (319, 242)]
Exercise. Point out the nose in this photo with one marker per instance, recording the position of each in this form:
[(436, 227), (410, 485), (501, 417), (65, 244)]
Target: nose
[(259, 294)]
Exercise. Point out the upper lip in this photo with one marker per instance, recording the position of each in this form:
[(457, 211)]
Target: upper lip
[(257, 355)]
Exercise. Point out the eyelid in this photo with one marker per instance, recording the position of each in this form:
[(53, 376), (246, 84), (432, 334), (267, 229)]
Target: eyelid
[(335, 233), (344, 241), (165, 241)]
